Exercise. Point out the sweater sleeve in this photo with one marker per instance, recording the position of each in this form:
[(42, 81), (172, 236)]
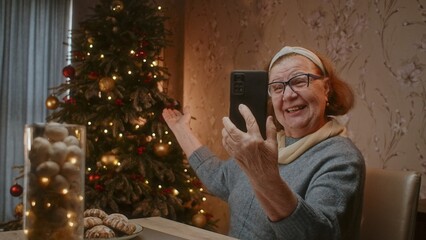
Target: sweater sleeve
[(213, 172), (331, 205)]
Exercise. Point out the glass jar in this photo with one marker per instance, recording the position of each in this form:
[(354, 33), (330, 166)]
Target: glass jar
[(54, 181)]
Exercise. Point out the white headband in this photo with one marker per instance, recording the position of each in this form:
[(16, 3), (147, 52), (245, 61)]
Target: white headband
[(298, 50)]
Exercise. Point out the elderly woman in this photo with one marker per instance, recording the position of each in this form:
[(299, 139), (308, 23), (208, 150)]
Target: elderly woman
[(304, 181)]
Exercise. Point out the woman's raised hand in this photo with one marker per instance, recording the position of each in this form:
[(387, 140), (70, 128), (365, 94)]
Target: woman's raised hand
[(257, 157), (176, 119), (179, 124)]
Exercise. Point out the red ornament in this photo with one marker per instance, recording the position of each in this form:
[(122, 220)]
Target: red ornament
[(208, 216), (137, 177), (147, 79), (78, 55), (141, 150), (94, 177), (197, 183), (68, 71), (69, 100), (16, 190), (167, 191), (144, 43), (119, 102), (93, 75), (99, 187), (140, 53)]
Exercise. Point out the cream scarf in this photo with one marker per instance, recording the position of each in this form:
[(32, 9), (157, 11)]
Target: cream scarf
[(288, 154)]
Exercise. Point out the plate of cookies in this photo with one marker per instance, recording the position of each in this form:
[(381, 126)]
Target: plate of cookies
[(115, 226)]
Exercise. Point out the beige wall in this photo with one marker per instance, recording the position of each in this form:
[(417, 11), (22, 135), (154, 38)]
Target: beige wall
[(379, 48)]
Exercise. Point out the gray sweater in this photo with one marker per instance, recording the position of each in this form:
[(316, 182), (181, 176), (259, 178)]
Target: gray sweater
[(328, 180)]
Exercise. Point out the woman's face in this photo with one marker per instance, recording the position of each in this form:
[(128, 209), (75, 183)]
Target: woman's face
[(303, 112)]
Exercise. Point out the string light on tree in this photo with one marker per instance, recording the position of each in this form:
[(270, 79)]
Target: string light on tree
[(117, 6)]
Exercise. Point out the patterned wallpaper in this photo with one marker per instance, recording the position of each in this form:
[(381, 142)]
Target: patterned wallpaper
[(378, 46)]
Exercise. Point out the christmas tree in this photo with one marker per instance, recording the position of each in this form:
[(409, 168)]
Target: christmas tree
[(114, 86)]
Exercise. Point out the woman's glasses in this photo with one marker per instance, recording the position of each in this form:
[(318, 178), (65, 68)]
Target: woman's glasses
[(295, 83)]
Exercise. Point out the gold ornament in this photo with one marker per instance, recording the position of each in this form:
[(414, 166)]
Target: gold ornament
[(109, 158), (19, 210), (161, 149), (52, 102), (106, 84), (199, 220), (139, 121)]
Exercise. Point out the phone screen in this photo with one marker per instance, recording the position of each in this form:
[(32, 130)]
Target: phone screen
[(249, 87)]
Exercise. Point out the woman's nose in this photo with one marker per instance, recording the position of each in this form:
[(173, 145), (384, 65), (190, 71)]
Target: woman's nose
[(288, 93)]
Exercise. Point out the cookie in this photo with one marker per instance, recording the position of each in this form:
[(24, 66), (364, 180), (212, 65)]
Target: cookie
[(119, 223), (99, 231), (94, 212), (118, 215), (90, 222)]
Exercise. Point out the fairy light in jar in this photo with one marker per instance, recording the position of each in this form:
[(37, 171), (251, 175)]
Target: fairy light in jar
[(73, 160), (44, 181)]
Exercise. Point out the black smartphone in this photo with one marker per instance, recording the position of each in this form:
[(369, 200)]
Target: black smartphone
[(249, 87)]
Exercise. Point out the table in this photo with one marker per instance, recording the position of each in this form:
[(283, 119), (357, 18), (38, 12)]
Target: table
[(153, 228)]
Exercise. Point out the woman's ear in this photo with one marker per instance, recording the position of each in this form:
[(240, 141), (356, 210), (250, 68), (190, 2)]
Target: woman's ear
[(327, 87)]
